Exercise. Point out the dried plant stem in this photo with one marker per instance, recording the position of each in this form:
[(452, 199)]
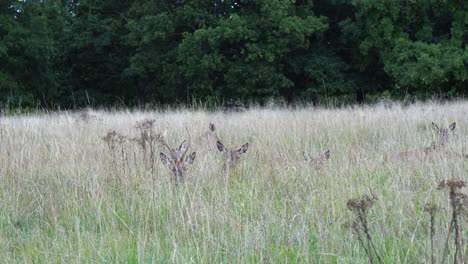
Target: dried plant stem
[(456, 227), (446, 248), (432, 238), (366, 249), (456, 203), (431, 209), (371, 245)]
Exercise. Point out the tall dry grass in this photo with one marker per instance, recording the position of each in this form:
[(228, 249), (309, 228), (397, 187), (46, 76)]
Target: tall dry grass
[(66, 196)]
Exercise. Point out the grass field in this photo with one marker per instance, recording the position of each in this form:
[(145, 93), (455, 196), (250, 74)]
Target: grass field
[(66, 197)]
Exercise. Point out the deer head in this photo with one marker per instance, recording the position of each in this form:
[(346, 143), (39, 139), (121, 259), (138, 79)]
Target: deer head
[(318, 161), (177, 160), (212, 136), (436, 146), (443, 133), (232, 156)]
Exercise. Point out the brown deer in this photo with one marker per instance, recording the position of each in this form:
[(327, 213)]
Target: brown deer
[(212, 136), (207, 140), (318, 161), (177, 160), (436, 146), (232, 156)]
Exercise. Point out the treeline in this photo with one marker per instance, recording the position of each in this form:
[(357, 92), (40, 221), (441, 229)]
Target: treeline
[(75, 53)]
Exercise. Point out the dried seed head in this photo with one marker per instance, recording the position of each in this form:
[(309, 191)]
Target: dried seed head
[(146, 124), (431, 208), (113, 137), (109, 136), (451, 184), (361, 205)]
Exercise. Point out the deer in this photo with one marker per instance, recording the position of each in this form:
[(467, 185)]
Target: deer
[(232, 155), (207, 140), (212, 136), (177, 160), (317, 161), (434, 147)]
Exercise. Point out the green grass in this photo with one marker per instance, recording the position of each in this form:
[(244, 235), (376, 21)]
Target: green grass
[(63, 199)]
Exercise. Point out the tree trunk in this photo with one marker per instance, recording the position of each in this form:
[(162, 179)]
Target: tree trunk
[(140, 92), (360, 96)]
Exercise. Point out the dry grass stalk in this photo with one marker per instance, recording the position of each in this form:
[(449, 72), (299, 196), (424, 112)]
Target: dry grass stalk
[(51, 173)]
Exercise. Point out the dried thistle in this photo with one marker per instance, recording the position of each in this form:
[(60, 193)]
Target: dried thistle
[(431, 209), (361, 205), (360, 208), (458, 204), (146, 124), (148, 140), (115, 140), (451, 184)]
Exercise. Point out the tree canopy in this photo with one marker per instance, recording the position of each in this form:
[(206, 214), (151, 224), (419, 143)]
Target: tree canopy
[(74, 53)]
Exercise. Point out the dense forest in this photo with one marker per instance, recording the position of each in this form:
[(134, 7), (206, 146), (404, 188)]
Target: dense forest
[(76, 53)]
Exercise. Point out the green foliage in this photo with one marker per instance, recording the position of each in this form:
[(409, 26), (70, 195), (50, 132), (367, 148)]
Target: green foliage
[(134, 52), (27, 51), (96, 53), (421, 45), (255, 52)]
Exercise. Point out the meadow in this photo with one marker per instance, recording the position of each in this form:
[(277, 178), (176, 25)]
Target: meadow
[(69, 196)]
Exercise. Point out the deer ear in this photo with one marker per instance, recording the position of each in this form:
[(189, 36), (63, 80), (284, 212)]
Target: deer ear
[(327, 154), (183, 147), (191, 158), (435, 127), (306, 156), (453, 126), (212, 127), (220, 146), (244, 148), (165, 148), (164, 159)]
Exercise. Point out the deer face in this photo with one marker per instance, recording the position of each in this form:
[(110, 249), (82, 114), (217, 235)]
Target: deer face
[(443, 133), (318, 161), (177, 160), (232, 155)]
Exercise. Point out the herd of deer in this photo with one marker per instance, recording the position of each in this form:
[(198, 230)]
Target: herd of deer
[(177, 159)]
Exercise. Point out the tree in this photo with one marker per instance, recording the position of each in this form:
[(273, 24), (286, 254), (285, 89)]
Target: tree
[(95, 53), (259, 49), (420, 46), (28, 51)]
